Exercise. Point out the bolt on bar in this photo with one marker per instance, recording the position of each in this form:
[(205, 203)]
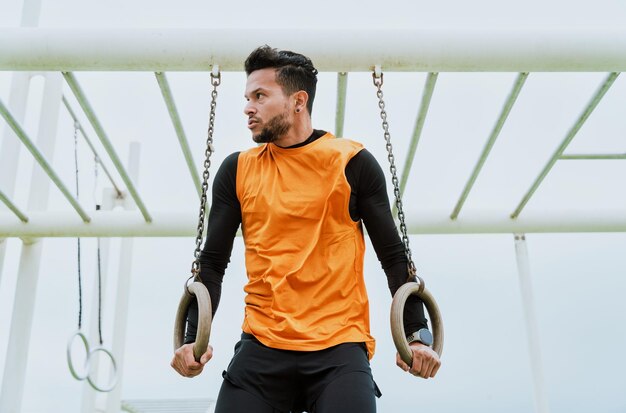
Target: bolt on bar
[(608, 82), (93, 149), (592, 156), (13, 207), (21, 134), (178, 126), (517, 87), (95, 123), (427, 94), (342, 87)]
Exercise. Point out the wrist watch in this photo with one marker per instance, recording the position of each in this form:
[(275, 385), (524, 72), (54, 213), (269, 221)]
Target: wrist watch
[(423, 335)]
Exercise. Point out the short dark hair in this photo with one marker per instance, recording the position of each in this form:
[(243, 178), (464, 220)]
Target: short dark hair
[(294, 72)]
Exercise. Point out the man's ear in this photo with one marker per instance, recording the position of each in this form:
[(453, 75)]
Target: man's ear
[(301, 99)]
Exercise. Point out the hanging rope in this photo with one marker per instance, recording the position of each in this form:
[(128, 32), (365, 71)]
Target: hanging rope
[(90, 353), (414, 285), (95, 186), (80, 287)]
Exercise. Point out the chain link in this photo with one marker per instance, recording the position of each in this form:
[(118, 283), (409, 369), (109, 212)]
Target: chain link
[(378, 82), (195, 266)]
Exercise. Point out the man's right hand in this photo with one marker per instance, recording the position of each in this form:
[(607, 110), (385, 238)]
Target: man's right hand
[(184, 362)]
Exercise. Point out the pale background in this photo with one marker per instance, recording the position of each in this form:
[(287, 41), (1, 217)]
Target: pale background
[(578, 279)]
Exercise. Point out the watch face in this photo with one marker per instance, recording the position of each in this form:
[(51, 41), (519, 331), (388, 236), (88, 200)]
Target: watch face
[(425, 336)]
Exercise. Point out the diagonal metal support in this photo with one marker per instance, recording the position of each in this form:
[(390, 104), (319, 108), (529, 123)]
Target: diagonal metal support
[(597, 97), (427, 94), (508, 105), (13, 207), (97, 126), (178, 127), (90, 144), (342, 87), (21, 134)]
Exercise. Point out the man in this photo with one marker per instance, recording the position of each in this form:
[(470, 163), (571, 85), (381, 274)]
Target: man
[(301, 198)]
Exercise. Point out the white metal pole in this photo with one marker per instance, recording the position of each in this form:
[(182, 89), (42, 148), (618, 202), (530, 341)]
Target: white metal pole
[(452, 49), (18, 96), (31, 10), (123, 292), (10, 150), (181, 224), (88, 403), (534, 348), (28, 272)]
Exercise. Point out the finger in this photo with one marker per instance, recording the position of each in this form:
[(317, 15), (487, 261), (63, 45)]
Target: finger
[(189, 359), (177, 364), (208, 355), (184, 362), (435, 368), (431, 364), (416, 368), (180, 369), (400, 363), (427, 368), (190, 371)]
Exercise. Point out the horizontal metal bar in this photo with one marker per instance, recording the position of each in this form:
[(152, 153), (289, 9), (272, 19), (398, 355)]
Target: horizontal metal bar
[(13, 207), (178, 127), (566, 49), (340, 117), (183, 224), (508, 105), (597, 97), (97, 126), (90, 144), (21, 134), (591, 156)]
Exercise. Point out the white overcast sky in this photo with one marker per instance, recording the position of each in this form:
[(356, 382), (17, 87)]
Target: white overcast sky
[(578, 279)]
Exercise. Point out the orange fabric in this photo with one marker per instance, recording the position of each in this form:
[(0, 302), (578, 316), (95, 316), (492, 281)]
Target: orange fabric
[(304, 254)]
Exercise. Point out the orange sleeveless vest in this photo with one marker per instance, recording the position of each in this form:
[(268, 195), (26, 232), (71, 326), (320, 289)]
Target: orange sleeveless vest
[(304, 254)]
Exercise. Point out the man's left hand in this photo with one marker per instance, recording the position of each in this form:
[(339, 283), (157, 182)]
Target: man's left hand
[(426, 361)]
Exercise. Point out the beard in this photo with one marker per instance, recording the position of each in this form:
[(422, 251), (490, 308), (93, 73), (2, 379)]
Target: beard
[(275, 128)]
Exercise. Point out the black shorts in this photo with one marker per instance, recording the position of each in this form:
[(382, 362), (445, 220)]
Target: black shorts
[(291, 381)]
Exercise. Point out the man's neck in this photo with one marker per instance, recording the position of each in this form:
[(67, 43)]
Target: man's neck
[(298, 133)]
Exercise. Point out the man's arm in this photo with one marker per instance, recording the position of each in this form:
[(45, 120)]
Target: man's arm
[(372, 206), (224, 220), (369, 187)]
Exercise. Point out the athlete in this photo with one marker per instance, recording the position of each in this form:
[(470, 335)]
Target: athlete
[(301, 197)]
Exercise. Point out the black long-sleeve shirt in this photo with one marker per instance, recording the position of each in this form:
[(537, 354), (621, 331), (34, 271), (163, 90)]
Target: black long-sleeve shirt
[(368, 202)]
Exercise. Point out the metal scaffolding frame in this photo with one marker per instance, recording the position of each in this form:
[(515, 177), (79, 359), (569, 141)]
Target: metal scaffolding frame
[(159, 51)]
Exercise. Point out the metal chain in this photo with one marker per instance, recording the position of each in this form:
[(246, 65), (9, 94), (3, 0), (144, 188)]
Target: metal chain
[(378, 82), (195, 266)]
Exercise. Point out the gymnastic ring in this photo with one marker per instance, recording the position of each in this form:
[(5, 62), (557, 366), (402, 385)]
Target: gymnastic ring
[(397, 319), (113, 382), (201, 294), (69, 355)]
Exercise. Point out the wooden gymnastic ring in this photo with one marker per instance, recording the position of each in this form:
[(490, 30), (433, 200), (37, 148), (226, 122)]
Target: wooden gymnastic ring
[(397, 319), (201, 294)]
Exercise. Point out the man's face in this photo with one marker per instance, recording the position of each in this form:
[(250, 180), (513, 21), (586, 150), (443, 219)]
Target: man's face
[(268, 108)]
